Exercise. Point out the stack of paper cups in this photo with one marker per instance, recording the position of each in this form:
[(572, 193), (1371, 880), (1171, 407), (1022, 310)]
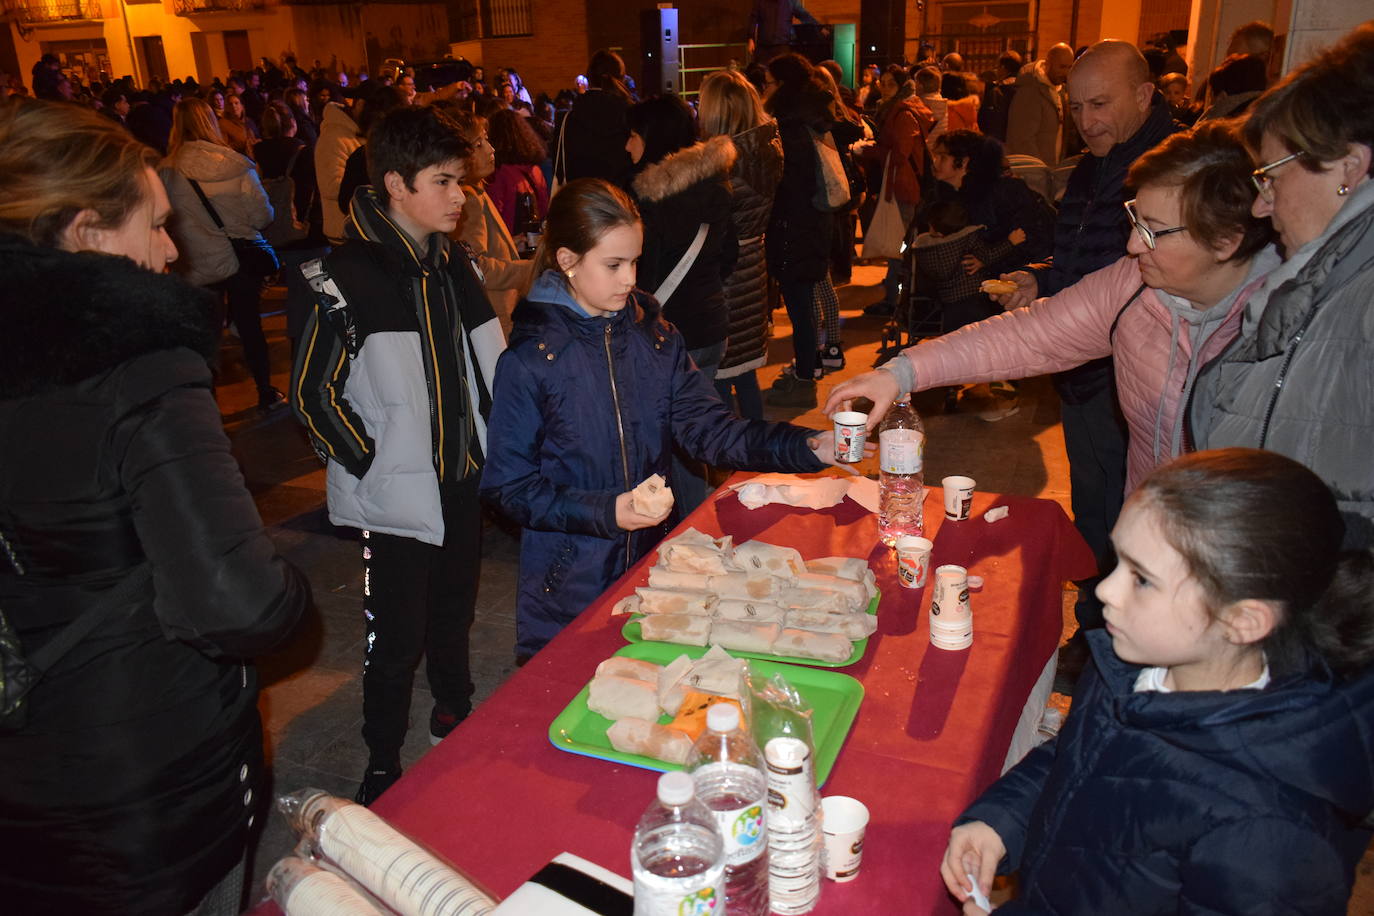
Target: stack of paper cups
[(951, 620), (794, 833)]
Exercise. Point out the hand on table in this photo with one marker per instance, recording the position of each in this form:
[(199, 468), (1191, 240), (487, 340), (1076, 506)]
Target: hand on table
[(879, 386), (974, 848), (630, 520), (1027, 288), (822, 445)]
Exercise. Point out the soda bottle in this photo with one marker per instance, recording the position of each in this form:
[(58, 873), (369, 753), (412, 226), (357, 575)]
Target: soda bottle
[(728, 771), (901, 473), (678, 858)]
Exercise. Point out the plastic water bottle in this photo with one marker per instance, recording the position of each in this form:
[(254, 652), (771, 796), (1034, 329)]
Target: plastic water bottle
[(678, 858), (901, 474), (728, 771)]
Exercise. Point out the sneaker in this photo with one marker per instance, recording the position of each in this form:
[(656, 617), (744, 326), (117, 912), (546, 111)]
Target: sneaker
[(832, 356), (269, 399), (880, 309), (376, 781), (441, 722), (790, 391)]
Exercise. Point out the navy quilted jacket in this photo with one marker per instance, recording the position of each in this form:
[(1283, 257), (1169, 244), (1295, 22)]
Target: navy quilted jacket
[(583, 410), (1245, 802)]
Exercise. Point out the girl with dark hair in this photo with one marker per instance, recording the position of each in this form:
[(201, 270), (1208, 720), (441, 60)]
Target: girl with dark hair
[(1217, 757), (590, 399), (798, 238), (517, 187)]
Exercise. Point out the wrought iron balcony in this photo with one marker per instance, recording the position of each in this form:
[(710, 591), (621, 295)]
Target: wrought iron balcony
[(196, 7), (38, 12)]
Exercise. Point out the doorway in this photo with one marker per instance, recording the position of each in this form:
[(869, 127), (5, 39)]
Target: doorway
[(152, 59)]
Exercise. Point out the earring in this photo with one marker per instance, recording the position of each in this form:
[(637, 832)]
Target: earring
[(1343, 190), (570, 274)]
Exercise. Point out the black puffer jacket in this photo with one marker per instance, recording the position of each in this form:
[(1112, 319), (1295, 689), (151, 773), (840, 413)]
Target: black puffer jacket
[(1240, 802), (1092, 231), (677, 195), (132, 786), (753, 183)]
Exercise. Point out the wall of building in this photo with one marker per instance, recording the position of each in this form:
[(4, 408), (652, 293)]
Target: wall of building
[(551, 58)]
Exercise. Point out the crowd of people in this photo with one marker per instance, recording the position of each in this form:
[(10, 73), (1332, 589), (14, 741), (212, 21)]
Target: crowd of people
[(539, 303)]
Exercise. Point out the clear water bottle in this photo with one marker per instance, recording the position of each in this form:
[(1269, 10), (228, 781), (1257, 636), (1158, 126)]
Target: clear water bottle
[(901, 474), (728, 771), (678, 858)]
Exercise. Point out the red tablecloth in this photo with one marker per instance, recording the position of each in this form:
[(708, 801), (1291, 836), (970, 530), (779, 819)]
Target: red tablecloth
[(500, 801)]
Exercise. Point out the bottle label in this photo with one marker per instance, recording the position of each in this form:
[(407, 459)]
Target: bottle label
[(703, 895), (901, 451), (743, 832)]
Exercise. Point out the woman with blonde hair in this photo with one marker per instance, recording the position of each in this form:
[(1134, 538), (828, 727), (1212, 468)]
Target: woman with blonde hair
[(729, 106), (218, 198), (129, 536)]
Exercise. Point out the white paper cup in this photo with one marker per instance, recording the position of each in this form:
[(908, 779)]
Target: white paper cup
[(851, 432), (845, 820), (958, 497), (950, 606), (913, 560)]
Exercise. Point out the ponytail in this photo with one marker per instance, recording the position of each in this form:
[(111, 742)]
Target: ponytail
[(579, 215)]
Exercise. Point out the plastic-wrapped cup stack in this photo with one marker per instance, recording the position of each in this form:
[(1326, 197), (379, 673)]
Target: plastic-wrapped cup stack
[(794, 832), (951, 620)]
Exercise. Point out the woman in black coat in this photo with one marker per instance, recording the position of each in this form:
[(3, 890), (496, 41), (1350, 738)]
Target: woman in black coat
[(132, 784), (683, 187), (798, 238)]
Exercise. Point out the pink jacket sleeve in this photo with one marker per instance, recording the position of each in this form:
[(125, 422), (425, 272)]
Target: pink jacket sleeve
[(1050, 335)]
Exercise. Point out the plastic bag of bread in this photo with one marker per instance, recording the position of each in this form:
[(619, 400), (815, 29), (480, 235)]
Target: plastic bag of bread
[(633, 735), (856, 593), (743, 636), (752, 611), (828, 647), (780, 561), (617, 697), (675, 601)]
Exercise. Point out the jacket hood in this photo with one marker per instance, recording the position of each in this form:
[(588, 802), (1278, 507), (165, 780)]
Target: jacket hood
[(1308, 729), (205, 161), (759, 163), (336, 117), (550, 288), (689, 166), (70, 316), (368, 222)]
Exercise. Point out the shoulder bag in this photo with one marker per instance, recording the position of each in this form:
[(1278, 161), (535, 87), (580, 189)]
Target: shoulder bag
[(257, 257)]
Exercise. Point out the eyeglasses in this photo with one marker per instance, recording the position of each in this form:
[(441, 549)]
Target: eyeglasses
[(1147, 235), (1265, 184)]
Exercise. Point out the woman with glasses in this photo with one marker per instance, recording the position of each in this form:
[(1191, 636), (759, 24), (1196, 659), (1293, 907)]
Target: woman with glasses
[(1299, 380), (1163, 311)]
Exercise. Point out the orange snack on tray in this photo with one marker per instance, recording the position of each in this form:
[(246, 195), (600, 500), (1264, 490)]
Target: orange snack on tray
[(691, 716)]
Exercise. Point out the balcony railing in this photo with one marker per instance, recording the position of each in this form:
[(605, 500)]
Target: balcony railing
[(196, 7), (29, 12)]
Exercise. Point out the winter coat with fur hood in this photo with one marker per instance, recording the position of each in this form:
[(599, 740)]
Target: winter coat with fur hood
[(133, 784), (676, 196), (753, 183), (231, 181)]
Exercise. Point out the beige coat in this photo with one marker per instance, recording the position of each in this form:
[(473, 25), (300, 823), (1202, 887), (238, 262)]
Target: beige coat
[(485, 234), (1035, 121)]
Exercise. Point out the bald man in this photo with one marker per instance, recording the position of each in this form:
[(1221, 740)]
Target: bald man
[(1120, 116), (1036, 119)]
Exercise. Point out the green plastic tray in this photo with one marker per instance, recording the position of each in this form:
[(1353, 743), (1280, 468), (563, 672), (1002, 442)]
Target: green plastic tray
[(834, 699), (631, 632)]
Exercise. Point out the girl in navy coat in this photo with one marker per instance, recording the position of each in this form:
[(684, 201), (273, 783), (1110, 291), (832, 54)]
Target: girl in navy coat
[(1220, 757), (589, 400)]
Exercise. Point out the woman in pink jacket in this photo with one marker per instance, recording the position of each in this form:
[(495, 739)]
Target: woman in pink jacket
[(1166, 309)]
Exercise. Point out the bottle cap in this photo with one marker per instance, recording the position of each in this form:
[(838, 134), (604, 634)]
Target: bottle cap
[(675, 788), (722, 717)]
